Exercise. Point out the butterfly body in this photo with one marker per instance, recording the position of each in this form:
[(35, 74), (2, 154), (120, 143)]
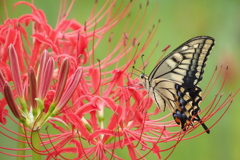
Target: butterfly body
[(173, 82)]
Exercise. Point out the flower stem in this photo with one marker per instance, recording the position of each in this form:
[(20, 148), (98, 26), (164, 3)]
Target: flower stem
[(36, 144), (20, 144)]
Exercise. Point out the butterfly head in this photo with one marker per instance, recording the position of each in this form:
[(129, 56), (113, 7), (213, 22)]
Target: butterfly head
[(144, 80), (142, 76)]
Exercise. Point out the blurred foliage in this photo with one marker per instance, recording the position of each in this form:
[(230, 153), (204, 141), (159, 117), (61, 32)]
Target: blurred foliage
[(180, 21)]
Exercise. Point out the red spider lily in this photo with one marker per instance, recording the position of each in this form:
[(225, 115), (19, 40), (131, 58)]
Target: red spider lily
[(94, 110)]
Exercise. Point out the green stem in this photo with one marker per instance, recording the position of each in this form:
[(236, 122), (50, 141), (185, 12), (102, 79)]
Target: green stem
[(36, 145), (21, 145)]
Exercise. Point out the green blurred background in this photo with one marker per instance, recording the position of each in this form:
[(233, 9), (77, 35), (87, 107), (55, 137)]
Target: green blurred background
[(180, 21)]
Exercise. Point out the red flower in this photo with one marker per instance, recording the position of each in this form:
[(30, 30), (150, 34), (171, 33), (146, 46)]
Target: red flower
[(93, 108)]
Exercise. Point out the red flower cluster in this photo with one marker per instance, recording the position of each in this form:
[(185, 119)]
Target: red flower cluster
[(67, 101)]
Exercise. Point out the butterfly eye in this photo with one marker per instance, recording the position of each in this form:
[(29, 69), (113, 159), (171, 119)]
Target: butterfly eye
[(142, 76)]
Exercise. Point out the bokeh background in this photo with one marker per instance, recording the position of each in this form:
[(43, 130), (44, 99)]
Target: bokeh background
[(180, 21)]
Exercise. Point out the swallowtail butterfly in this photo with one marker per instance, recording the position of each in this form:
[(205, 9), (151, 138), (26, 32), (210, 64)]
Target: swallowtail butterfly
[(174, 81)]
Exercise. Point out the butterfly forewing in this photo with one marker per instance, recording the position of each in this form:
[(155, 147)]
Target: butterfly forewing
[(186, 63), (173, 82)]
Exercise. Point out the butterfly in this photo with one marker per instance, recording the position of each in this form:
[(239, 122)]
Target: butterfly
[(174, 80)]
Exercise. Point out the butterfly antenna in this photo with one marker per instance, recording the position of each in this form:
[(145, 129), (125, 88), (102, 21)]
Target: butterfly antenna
[(143, 64), (137, 69), (134, 73)]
